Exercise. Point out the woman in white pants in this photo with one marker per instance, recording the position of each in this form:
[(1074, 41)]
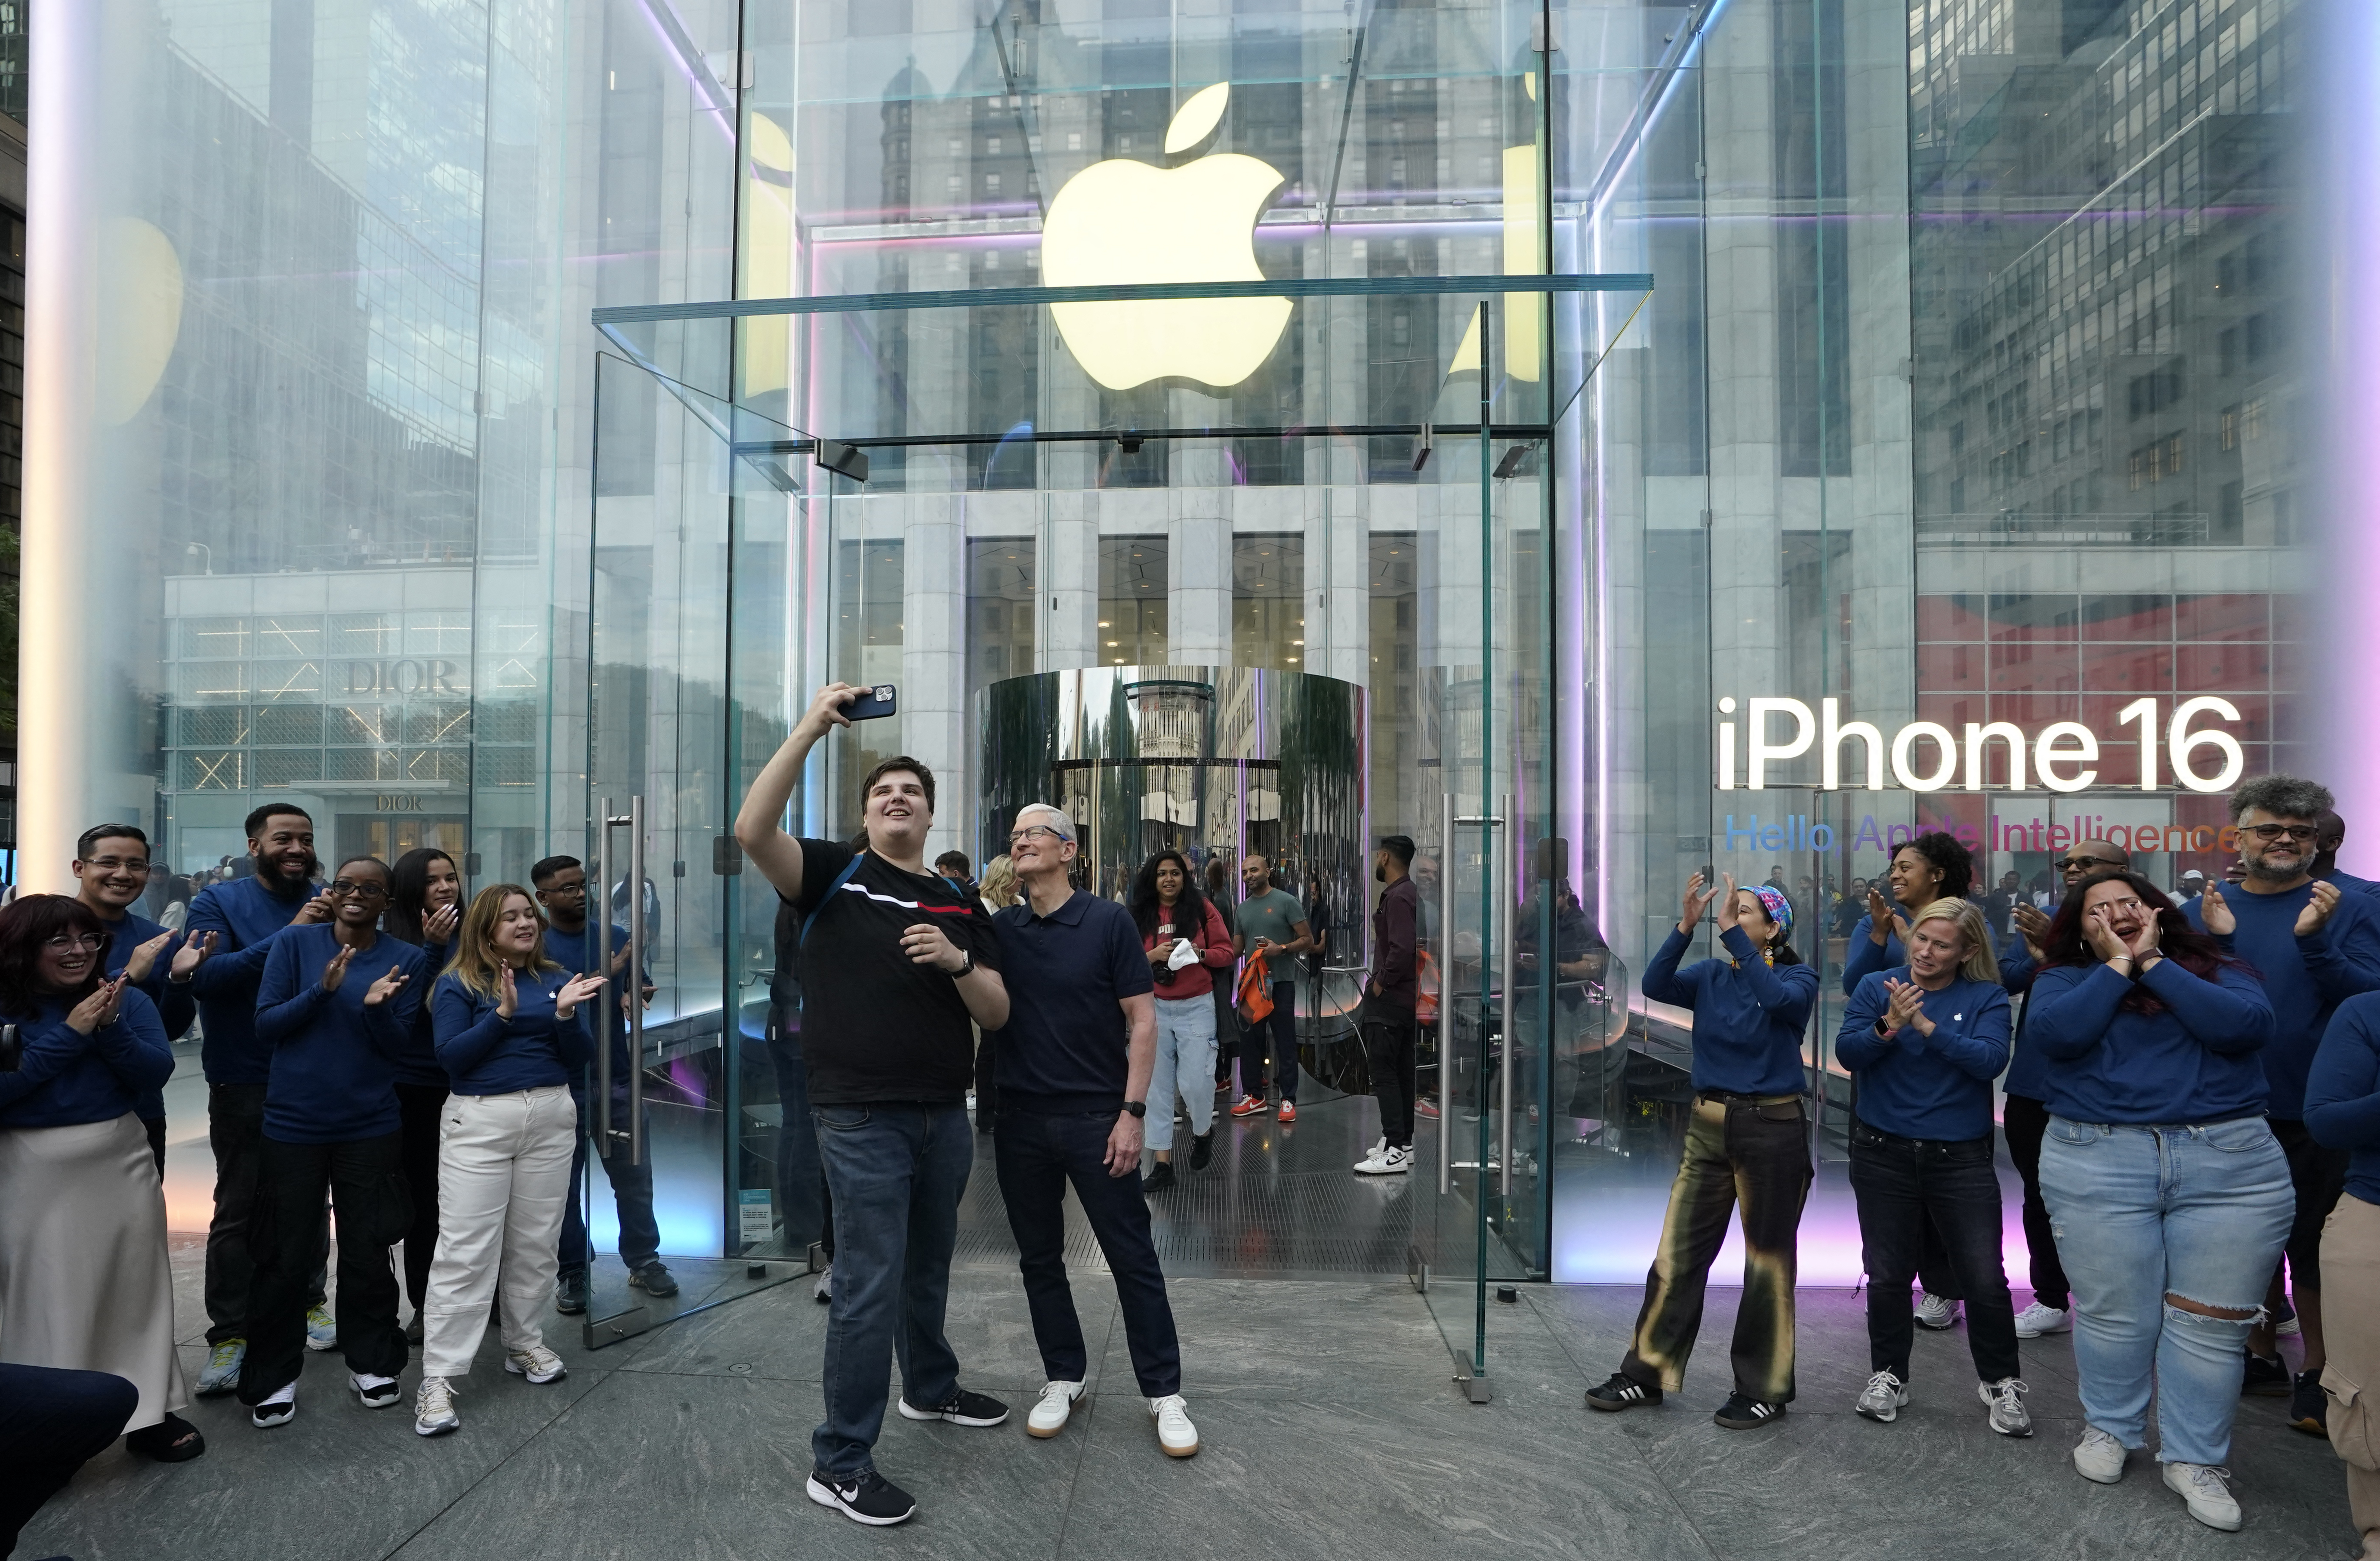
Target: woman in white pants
[(505, 1022)]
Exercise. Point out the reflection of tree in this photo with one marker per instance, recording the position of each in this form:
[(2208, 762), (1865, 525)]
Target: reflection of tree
[(1322, 789), (1020, 748)]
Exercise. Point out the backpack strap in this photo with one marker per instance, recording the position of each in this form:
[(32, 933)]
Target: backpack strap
[(849, 870)]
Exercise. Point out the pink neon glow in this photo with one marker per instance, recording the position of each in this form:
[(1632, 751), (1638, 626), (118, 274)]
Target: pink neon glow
[(2347, 732)]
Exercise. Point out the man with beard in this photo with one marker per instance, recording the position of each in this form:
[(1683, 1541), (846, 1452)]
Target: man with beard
[(230, 932), (2315, 945), (1390, 997)]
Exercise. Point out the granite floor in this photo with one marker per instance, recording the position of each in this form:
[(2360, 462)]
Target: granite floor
[(1331, 1428)]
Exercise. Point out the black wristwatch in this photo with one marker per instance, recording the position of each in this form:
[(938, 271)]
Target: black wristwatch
[(966, 970), (1138, 1108)]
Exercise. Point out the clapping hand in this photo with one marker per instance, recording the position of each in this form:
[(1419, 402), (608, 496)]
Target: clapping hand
[(2216, 912), (1907, 1007), (190, 956), (99, 1008), (337, 970), (439, 925), (386, 987), (1725, 917), (2318, 909), (1697, 900), (507, 992), (144, 957), (2033, 926), (574, 990), (1884, 919)]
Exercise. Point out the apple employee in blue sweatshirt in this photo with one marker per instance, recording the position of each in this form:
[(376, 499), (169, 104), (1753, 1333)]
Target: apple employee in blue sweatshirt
[(1924, 1042), (2315, 945), (570, 942), (331, 1123), (2170, 1196), (2342, 1111), (509, 1028), (111, 869), (229, 927), (1749, 1140)]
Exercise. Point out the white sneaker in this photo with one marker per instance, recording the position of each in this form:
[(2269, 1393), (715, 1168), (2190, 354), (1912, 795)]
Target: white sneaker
[(279, 1409), (2006, 1398), (2099, 1456), (1057, 1405), (376, 1393), (823, 1291), (537, 1363), (2037, 1319), (2210, 1500), (1933, 1311), (1386, 1162), (434, 1408), (1174, 1432), (1883, 1399)]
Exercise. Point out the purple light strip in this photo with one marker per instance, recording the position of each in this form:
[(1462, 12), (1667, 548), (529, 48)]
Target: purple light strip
[(2348, 736)]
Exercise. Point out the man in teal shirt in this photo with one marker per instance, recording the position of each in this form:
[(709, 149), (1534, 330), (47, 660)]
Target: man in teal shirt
[(1274, 923)]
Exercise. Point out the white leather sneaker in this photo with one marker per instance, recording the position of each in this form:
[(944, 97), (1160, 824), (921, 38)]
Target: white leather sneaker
[(434, 1408), (1385, 1162), (1055, 1407), (2037, 1319), (374, 1392), (1174, 1432), (2099, 1456), (2210, 1500), (537, 1363), (279, 1409)]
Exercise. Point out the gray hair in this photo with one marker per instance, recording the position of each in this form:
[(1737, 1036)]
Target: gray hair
[(1057, 823), (2284, 796)]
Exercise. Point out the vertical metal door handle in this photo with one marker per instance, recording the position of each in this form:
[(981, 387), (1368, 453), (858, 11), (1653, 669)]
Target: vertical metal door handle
[(1446, 996), (636, 978), (1512, 916), (602, 906)]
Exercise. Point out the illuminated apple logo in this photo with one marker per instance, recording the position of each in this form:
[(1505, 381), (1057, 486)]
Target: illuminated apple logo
[(1125, 221)]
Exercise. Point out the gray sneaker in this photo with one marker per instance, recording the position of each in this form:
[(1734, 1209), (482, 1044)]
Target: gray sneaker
[(1883, 1399), (2099, 1456), (2210, 1500), (2005, 1398), (823, 1291), (222, 1373), (1934, 1312)]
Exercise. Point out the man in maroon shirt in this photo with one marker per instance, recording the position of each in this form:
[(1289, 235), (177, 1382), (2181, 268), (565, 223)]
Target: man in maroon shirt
[(1389, 999)]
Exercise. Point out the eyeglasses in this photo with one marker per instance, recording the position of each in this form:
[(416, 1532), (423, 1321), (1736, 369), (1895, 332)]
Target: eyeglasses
[(2084, 864), (359, 891), (76, 943), (1034, 832), (2269, 832)]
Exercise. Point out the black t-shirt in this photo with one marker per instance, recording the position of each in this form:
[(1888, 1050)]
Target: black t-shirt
[(875, 1025)]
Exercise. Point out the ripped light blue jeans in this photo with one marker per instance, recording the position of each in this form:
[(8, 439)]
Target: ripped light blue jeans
[(2145, 1213)]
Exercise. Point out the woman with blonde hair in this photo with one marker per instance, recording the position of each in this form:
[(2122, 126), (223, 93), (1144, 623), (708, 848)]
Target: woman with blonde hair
[(1000, 889), (1925, 1040), (506, 1021)]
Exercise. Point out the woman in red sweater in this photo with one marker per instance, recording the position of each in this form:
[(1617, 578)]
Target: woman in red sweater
[(1186, 942)]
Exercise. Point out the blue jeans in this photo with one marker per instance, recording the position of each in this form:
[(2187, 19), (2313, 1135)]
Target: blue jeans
[(1037, 1156), (2143, 1213), (1185, 1060), (632, 1195), (897, 1173), (1275, 1035)]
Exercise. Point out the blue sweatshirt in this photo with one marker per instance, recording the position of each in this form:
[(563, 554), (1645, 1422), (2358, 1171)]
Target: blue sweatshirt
[(2304, 978), (2342, 1098), (486, 1053), (2351, 884), (65, 1079), (1927, 1088), (2195, 1062), (243, 914), (1748, 1015), (175, 1007), (417, 1063), (334, 1059), (576, 952)]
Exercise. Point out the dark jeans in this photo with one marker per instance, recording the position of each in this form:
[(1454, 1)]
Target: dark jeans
[(52, 1422), (1037, 1157), (1273, 1037), (2318, 1176), (632, 1195), (1227, 1027), (155, 1128), (898, 1170), (366, 1182), (418, 1106), (1901, 1185), (1388, 1033), (801, 1185), (1737, 1153), (987, 1089), (2025, 1121), (236, 1134)]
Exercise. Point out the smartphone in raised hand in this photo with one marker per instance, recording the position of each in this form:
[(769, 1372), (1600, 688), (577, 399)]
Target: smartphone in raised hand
[(873, 704)]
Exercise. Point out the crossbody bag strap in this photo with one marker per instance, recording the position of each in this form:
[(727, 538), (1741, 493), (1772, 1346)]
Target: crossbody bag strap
[(849, 870)]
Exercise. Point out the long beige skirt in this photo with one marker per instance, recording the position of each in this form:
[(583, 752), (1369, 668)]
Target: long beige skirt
[(84, 1279)]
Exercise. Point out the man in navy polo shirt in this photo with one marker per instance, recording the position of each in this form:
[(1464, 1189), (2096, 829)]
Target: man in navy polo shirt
[(1072, 1069)]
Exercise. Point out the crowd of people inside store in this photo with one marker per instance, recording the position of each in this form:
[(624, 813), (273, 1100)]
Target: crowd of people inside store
[(2192, 1104)]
